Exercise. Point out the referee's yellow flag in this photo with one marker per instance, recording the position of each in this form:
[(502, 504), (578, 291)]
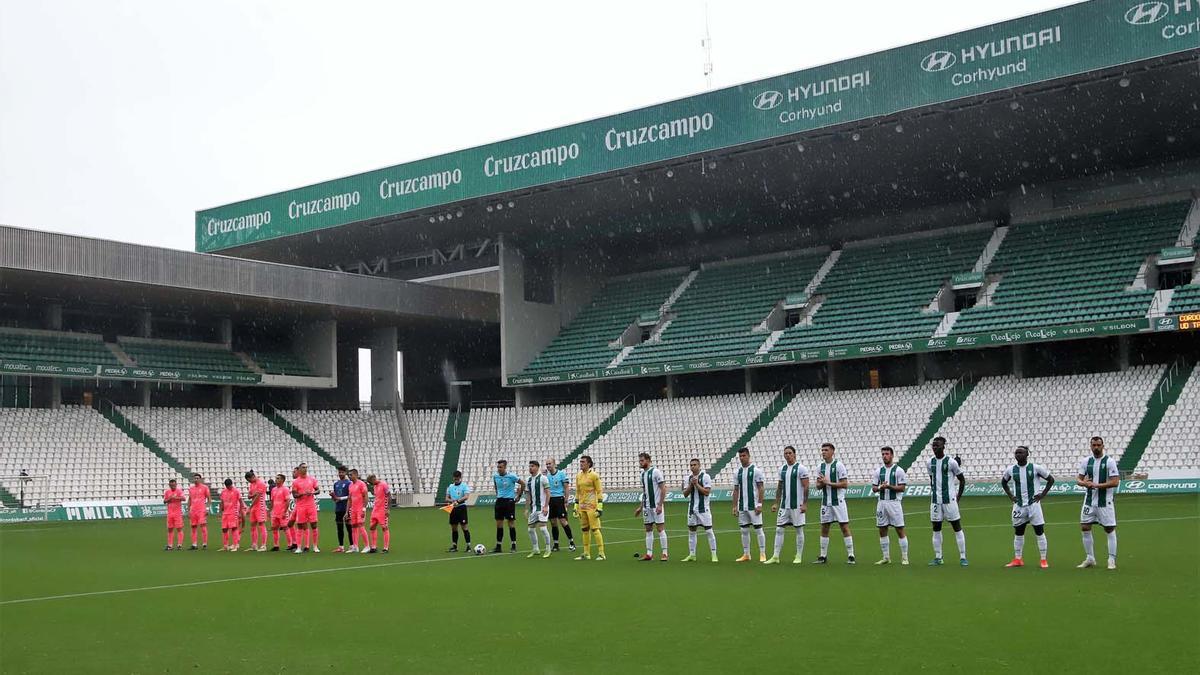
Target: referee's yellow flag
[(448, 508)]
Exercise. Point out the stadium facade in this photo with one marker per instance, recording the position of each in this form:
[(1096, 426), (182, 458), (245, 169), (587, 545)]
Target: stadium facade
[(910, 234)]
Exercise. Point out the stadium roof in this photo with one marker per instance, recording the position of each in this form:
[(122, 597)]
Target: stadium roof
[(1088, 88), (131, 275)]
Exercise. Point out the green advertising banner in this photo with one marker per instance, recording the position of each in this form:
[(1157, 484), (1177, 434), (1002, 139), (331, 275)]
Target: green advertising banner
[(859, 351), (1075, 39), (97, 371), (973, 489), (105, 512)]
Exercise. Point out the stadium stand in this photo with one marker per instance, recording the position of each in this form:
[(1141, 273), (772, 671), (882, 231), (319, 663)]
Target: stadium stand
[(280, 363), (522, 434), (673, 431), (176, 355), (718, 313), (55, 347), (427, 428), (1054, 416), (881, 289), (85, 456), (1074, 269), (858, 423), (368, 440), (1185, 299), (1175, 445), (224, 444), (584, 343)]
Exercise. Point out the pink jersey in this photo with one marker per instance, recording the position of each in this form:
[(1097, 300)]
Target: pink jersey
[(279, 500), (198, 496), (358, 496), (302, 485), (231, 501), (258, 496), (381, 497), (174, 501)]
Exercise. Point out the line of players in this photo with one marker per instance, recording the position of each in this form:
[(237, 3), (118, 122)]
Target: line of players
[(291, 511), (1025, 483)]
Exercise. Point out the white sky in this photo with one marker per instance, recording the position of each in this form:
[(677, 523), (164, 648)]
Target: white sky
[(119, 119)]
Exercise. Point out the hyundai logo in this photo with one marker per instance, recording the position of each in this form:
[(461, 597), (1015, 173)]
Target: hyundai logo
[(938, 61), (1134, 485), (1147, 13), (768, 100)]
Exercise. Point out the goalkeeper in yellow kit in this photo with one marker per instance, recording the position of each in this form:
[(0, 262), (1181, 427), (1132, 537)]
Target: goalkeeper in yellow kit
[(588, 491)]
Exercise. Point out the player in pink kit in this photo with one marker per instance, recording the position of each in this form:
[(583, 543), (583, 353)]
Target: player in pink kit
[(231, 516), (256, 490), (281, 498), (173, 497), (198, 496), (356, 514), (305, 489), (379, 514)]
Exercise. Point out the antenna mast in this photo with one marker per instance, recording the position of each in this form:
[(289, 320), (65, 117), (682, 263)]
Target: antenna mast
[(706, 45)]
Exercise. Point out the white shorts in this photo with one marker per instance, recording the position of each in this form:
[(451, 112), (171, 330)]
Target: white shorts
[(1105, 515), (793, 517), (700, 519), (649, 517), (831, 514), (889, 512), (943, 512), (1031, 515), (536, 517), (747, 518)]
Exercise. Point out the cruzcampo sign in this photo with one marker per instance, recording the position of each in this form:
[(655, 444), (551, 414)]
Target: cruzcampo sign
[(1075, 39), (853, 351)]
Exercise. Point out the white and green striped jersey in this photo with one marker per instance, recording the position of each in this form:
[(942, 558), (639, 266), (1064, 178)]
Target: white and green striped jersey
[(942, 475), (1027, 481), (790, 475), (535, 489), (746, 478), (698, 502), (833, 472), (651, 479), (892, 475), (1099, 471)]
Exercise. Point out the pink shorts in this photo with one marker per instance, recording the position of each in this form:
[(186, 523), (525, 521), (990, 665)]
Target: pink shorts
[(230, 521), (258, 515), (379, 518), (198, 519), (174, 521), (279, 520), (306, 513)]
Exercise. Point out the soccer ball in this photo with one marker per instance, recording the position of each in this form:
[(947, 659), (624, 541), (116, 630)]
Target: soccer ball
[(480, 549)]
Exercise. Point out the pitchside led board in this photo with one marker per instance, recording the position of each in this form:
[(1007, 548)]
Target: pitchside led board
[(1068, 41)]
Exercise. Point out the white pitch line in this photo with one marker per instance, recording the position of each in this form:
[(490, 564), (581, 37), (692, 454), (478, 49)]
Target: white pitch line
[(398, 563)]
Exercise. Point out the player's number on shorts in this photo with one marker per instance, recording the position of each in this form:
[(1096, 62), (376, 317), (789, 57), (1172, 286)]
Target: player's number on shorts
[(1087, 510), (1017, 513), (824, 511)]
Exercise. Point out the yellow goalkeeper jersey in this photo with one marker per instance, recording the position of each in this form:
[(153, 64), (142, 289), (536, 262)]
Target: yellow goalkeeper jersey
[(588, 487)]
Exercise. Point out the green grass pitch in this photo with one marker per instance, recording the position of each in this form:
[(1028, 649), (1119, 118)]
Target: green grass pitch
[(104, 597)]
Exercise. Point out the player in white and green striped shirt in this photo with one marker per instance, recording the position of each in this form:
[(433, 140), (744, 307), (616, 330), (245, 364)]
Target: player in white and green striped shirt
[(832, 481), (748, 504), (1098, 474), (791, 503), (943, 501), (537, 505), (697, 486)]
